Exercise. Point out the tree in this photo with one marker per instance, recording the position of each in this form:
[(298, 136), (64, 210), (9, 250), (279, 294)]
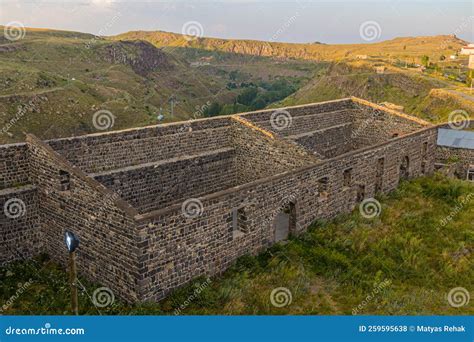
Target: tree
[(233, 75), (213, 110), (425, 60), (247, 96)]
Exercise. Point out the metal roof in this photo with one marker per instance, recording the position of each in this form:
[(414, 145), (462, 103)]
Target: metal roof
[(456, 138)]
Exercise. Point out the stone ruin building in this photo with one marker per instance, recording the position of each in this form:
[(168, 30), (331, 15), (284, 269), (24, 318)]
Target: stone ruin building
[(157, 206)]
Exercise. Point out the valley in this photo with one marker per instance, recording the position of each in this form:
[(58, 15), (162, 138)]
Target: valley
[(53, 82)]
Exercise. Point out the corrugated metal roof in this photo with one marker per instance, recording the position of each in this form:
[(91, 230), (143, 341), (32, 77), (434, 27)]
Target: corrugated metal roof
[(456, 138)]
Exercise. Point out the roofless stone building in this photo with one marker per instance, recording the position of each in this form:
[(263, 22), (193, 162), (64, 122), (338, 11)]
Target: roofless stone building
[(155, 207)]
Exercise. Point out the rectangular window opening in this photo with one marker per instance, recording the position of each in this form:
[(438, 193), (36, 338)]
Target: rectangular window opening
[(323, 187), (360, 192), (470, 173), (239, 222), (64, 180), (347, 178)]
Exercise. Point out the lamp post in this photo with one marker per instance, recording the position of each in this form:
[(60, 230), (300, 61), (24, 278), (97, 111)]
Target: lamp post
[(72, 242)]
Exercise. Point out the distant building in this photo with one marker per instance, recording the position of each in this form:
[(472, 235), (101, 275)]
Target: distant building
[(467, 50), (362, 56), (380, 69), (453, 57), (471, 62)]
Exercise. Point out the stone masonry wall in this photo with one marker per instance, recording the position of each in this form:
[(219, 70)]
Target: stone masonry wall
[(329, 142), (176, 249), (152, 186), (104, 225), (144, 251), (461, 158), (13, 165), (260, 154), (374, 126), (108, 151), (20, 236)]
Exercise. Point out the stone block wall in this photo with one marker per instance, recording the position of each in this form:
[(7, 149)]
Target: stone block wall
[(107, 151), (104, 224), (153, 186), (20, 235), (329, 142), (176, 249), (459, 158), (122, 192), (261, 154), (375, 125), (13, 165), (306, 117)]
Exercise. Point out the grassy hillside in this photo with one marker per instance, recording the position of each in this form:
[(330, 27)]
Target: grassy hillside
[(426, 97), (352, 68), (52, 82), (403, 262)]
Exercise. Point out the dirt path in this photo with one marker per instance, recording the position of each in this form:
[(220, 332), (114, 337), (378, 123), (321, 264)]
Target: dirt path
[(32, 93)]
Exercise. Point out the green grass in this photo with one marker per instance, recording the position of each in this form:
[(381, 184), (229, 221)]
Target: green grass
[(405, 260)]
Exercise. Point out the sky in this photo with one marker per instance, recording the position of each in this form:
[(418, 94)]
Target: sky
[(332, 22)]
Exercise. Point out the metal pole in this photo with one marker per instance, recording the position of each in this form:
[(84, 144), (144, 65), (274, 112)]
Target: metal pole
[(73, 281)]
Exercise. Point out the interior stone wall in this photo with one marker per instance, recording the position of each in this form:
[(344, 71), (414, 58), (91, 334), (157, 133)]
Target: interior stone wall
[(114, 150), (153, 186)]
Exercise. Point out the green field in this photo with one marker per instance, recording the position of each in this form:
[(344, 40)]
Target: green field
[(403, 262)]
